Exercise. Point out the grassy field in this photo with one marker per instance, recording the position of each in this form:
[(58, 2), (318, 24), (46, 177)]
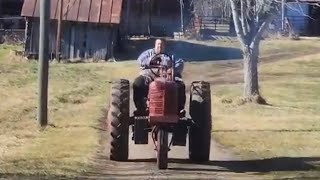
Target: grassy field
[(289, 126), (78, 92)]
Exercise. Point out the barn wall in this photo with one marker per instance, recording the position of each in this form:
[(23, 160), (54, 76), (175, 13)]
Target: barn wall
[(78, 40), (164, 25), (165, 17)]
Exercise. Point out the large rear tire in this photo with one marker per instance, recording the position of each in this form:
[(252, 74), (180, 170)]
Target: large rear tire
[(162, 149), (200, 112), (118, 120)]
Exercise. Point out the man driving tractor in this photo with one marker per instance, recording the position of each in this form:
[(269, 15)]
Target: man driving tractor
[(159, 96), (141, 83)]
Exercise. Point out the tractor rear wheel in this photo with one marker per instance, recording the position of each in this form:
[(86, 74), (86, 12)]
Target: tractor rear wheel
[(200, 112), (118, 120), (162, 149)]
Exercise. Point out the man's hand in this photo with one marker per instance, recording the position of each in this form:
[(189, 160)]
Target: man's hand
[(156, 61), (169, 71), (169, 74)]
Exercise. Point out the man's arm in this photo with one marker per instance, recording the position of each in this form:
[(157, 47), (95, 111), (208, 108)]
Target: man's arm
[(144, 59), (179, 66)]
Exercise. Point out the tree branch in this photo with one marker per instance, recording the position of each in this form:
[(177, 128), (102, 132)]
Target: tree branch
[(261, 29), (243, 18), (236, 21), (251, 17), (300, 10)]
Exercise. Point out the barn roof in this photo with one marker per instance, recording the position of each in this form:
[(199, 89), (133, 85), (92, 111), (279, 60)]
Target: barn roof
[(94, 11)]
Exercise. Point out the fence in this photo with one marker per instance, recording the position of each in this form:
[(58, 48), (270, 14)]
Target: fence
[(211, 25), (218, 25), (12, 30)]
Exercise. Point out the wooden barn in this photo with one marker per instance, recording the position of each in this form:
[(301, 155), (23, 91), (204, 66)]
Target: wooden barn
[(155, 17), (88, 30)]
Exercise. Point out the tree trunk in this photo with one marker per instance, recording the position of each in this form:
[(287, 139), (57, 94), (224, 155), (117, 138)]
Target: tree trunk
[(250, 63)]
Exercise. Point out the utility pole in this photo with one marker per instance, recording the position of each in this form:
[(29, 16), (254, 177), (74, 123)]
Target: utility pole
[(58, 39), (42, 115)]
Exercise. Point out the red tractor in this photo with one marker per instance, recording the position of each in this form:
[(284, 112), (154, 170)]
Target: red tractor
[(162, 118)]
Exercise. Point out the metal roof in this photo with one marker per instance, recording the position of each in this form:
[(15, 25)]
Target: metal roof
[(94, 11)]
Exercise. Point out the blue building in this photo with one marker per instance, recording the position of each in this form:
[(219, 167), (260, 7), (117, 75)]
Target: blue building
[(304, 16)]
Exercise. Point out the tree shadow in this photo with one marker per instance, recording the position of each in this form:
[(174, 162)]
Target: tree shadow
[(37, 176), (19, 176), (280, 164), (243, 166), (189, 51), (267, 130)]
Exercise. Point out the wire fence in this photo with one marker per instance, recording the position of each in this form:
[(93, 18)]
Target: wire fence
[(12, 30)]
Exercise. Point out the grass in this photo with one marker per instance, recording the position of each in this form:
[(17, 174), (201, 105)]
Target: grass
[(75, 104), (77, 92), (287, 128)]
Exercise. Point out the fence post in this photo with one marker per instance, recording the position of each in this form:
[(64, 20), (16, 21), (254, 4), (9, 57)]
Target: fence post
[(58, 37), (181, 12)]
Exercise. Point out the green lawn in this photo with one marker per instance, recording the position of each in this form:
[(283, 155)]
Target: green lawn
[(289, 127), (74, 109)]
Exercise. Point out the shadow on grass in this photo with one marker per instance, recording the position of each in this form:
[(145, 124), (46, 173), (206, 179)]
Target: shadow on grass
[(31, 177), (267, 130), (131, 49), (259, 165), (115, 169)]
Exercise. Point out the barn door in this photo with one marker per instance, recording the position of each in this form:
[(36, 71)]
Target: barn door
[(138, 17), (165, 17)]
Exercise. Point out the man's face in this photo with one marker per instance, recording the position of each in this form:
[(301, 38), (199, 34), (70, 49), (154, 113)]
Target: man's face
[(159, 46)]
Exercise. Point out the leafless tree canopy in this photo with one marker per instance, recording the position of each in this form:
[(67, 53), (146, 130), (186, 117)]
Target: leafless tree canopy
[(219, 8), (251, 18)]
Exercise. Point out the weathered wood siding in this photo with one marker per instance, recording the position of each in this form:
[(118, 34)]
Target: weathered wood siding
[(78, 40)]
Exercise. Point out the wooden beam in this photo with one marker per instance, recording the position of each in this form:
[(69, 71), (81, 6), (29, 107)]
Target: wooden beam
[(128, 16), (58, 39)]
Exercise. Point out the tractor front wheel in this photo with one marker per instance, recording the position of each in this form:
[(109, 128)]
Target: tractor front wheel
[(118, 120), (162, 149), (200, 112)]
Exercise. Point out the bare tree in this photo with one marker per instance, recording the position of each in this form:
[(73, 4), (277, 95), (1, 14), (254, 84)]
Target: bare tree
[(211, 7), (251, 18)]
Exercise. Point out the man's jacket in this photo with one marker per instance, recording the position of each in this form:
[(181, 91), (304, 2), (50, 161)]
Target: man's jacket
[(145, 58)]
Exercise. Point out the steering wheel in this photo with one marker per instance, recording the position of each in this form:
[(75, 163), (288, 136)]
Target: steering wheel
[(159, 66)]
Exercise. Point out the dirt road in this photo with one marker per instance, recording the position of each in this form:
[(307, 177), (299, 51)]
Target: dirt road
[(142, 165), (142, 162)]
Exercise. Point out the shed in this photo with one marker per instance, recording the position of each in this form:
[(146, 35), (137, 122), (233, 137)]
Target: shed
[(304, 16), (89, 28)]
